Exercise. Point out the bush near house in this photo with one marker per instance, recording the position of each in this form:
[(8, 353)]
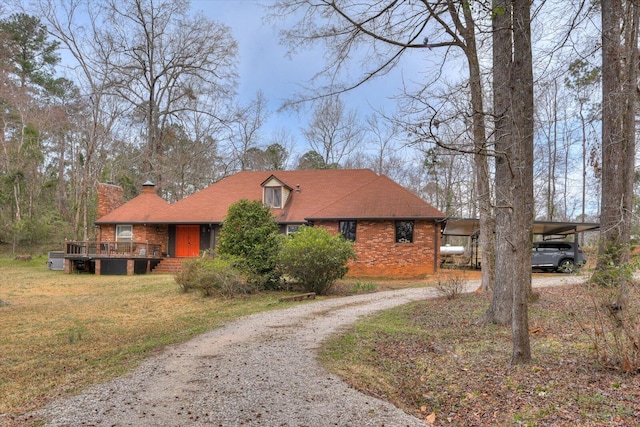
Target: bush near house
[(250, 233), (216, 277), (315, 258)]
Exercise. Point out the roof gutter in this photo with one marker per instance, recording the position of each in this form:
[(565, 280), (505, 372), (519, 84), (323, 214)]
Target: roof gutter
[(376, 218)]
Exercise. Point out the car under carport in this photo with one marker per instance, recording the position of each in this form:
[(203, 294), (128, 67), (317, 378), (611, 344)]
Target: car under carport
[(549, 230)]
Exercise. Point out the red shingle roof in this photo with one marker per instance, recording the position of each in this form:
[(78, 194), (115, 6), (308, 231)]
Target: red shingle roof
[(382, 198), (316, 194), (139, 210)]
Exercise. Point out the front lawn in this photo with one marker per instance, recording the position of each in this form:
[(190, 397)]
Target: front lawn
[(63, 332)]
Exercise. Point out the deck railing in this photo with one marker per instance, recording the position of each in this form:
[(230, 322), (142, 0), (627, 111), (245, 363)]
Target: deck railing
[(112, 249)]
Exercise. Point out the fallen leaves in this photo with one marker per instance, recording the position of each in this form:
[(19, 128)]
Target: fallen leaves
[(457, 372), (535, 331)]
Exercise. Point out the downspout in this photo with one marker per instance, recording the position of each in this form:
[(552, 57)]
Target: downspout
[(436, 249)]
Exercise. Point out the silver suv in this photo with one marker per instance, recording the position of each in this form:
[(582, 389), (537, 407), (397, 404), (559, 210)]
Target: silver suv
[(564, 257)]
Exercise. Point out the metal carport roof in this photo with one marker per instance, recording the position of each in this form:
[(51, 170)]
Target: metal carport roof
[(471, 227)]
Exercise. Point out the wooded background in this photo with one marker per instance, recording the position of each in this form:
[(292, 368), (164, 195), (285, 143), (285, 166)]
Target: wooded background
[(151, 96)]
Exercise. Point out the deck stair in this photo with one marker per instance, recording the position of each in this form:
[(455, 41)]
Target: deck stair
[(169, 266)]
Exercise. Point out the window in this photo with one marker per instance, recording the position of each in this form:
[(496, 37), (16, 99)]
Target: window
[(348, 229), (124, 233), (273, 197), (292, 228), (404, 231)]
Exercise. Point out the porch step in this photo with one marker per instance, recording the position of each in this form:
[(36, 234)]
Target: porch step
[(169, 266)]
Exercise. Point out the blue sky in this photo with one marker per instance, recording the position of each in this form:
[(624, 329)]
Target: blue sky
[(264, 65), (262, 62)]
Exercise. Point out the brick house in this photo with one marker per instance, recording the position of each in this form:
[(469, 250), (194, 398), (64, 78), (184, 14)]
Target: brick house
[(395, 232)]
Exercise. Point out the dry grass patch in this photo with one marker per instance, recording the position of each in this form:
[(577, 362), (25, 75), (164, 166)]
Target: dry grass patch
[(61, 332), (432, 359)]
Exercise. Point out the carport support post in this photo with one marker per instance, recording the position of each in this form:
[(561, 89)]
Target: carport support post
[(474, 243), (575, 246)]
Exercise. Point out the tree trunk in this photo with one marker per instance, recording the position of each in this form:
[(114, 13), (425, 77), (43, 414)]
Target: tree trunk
[(583, 211), (480, 159), (499, 310), (522, 159), (62, 199), (553, 159), (513, 109), (619, 88)]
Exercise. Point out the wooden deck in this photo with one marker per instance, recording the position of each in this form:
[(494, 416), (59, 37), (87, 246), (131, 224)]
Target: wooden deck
[(96, 249)]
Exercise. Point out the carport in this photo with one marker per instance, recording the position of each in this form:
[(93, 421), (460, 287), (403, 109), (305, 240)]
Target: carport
[(549, 230)]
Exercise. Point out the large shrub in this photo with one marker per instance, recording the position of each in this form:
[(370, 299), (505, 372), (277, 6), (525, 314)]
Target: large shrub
[(250, 233), (212, 277), (315, 258)]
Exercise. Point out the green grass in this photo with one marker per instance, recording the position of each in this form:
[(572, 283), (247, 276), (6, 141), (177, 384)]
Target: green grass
[(362, 287), (63, 332)]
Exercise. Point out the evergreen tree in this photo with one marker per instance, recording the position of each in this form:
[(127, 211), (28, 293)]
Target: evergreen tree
[(250, 233)]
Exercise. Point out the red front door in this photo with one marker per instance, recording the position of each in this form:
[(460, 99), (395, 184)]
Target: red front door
[(187, 240)]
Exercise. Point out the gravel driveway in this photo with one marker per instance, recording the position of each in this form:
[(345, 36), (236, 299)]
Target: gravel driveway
[(259, 370)]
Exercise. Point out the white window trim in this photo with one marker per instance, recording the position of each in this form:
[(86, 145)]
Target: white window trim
[(279, 202), (118, 233)]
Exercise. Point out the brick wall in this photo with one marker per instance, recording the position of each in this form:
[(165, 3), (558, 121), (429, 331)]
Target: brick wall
[(142, 233), (380, 256), (110, 197)]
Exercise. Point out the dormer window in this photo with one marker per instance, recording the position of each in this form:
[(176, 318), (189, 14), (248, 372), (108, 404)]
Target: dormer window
[(273, 197), (275, 193)]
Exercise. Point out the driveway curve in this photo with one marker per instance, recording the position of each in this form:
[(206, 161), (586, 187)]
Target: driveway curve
[(259, 370)]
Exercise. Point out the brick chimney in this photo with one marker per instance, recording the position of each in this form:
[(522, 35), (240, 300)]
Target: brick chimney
[(110, 197)]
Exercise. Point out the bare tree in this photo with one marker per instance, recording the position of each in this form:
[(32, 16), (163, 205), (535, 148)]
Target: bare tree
[(522, 177), (583, 80), (447, 181), (333, 132), (281, 148), (547, 147), (557, 164), (246, 136), (467, 28), (74, 23), (382, 137), (165, 63)]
